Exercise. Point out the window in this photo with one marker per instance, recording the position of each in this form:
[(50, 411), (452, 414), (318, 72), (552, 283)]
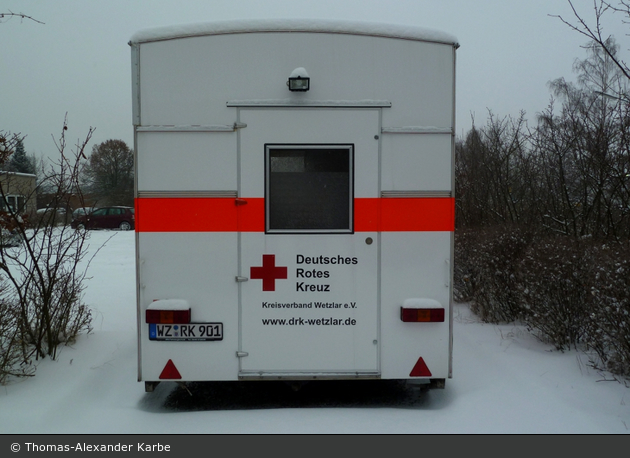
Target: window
[(309, 188), (15, 203)]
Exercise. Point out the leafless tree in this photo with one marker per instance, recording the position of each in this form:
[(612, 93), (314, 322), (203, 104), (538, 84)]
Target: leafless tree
[(583, 151), (495, 174), (543, 212), (108, 174), (569, 174), (10, 15), (8, 142), (593, 29)]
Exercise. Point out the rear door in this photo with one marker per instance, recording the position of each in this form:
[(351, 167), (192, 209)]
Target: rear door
[(97, 219), (114, 217), (309, 304)]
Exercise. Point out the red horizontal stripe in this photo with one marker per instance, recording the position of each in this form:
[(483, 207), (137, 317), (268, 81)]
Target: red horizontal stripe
[(224, 215), (404, 214), (199, 215)]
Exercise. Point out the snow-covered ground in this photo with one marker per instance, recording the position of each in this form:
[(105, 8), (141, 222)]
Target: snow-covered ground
[(504, 381)]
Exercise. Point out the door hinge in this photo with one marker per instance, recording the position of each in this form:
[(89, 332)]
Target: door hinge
[(241, 354), (239, 125), (240, 279)]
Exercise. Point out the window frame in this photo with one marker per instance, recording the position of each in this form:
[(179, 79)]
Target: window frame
[(15, 206), (349, 147)]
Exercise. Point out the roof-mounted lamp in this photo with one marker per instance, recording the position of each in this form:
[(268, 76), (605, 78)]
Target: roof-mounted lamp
[(299, 81)]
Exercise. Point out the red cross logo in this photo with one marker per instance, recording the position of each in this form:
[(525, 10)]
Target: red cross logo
[(268, 273)]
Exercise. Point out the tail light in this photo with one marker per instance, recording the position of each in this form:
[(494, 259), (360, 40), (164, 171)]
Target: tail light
[(168, 311), (421, 315), (421, 310)]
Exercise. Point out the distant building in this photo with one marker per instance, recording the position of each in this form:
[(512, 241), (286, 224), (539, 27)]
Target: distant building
[(18, 192)]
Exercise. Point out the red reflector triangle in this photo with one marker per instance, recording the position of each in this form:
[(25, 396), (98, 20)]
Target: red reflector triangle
[(170, 371), (420, 369)]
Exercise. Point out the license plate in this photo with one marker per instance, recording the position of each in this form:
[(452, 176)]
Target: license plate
[(188, 331)]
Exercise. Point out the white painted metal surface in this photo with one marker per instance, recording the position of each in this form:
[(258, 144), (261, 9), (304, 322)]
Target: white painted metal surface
[(211, 109)]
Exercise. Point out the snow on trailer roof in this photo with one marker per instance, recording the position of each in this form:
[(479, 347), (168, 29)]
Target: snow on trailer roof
[(294, 25)]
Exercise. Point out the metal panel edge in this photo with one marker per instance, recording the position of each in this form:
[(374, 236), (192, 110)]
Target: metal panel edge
[(135, 83), (359, 28), (289, 103), (136, 121), (452, 257), (417, 130), (154, 194), (416, 194), (208, 128), (266, 375)]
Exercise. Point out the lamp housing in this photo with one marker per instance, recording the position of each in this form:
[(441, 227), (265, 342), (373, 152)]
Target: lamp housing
[(299, 81)]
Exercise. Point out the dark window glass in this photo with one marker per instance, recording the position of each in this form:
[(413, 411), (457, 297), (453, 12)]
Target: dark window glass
[(21, 204), (11, 201), (309, 189)]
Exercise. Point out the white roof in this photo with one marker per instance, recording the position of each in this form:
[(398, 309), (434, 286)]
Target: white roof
[(169, 304), (294, 25), (19, 174)]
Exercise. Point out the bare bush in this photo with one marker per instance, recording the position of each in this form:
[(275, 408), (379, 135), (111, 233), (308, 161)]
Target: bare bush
[(553, 290), (465, 276), (569, 292), (608, 324), (43, 273), (14, 359), (486, 271)]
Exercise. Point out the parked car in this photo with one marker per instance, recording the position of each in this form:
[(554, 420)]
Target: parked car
[(49, 208), (82, 211), (52, 215), (122, 218)]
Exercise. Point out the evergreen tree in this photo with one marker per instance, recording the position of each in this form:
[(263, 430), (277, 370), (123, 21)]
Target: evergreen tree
[(20, 162)]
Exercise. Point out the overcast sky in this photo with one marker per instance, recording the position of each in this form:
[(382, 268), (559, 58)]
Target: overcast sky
[(78, 61)]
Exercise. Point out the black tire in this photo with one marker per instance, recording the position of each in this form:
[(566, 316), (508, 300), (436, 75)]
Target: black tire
[(125, 226)]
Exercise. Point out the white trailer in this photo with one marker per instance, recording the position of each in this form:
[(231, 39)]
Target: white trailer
[(294, 201)]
